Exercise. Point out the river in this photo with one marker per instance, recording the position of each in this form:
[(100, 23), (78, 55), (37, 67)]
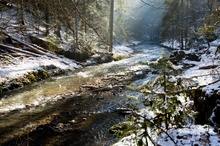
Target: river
[(51, 112)]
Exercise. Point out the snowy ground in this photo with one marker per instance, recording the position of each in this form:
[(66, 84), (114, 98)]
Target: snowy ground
[(207, 76), (124, 50), (20, 66), (196, 135), (201, 72)]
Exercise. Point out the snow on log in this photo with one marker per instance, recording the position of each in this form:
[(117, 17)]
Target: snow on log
[(42, 49)]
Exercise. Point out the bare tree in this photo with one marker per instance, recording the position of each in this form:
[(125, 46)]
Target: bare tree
[(22, 9), (111, 23)]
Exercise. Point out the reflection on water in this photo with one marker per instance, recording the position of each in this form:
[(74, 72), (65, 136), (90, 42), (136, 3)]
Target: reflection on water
[(41, 92)]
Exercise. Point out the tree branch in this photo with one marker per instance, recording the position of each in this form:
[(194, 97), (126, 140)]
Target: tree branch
[(156, 7)]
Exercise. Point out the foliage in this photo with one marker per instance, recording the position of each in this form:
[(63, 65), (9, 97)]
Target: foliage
[(121, 30), (165, 98), (173, 26), (211, 23), (123, 129), (51, 44), (185, 18)]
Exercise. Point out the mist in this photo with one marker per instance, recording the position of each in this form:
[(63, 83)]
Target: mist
[(141, 21)]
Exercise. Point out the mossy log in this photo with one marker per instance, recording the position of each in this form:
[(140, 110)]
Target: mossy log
[(45, 44)]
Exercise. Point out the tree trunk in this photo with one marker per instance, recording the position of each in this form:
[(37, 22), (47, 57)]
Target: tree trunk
[(111, 26), (76, 25), (76, 30), (164, 96), (47, 19), (84, 13), (187, 23), (182, 26), (22, 21)]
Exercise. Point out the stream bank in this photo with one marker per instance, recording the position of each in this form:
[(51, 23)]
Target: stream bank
[(194, 93)]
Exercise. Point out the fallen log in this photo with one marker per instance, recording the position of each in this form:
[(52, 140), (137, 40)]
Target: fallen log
[(209, 67), (90, 87), (19, 55), (124, 111), (31, 48), (42, 49), (99, 89), (14, 49), (38, 50)]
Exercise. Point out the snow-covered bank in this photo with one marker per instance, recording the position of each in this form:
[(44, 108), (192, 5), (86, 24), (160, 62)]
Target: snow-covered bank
[(203, 70), (17, 67), (124, 50), (196, 135)]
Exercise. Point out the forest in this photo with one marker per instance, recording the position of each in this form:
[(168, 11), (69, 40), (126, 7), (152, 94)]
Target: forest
[(107, 72)]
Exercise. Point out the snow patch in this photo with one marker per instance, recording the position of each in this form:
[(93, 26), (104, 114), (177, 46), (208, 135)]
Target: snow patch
[(194, 135), (122, 50), (171, 44)]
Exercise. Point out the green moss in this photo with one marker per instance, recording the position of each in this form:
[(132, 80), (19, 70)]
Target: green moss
[(131, 87), (118, 58), (43, 74), (144, 63), (17, 83), (36, 75), (49, 43), (31, 77), (123, 129)]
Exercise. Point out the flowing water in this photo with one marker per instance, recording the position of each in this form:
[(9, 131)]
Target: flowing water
[(51, 113)]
